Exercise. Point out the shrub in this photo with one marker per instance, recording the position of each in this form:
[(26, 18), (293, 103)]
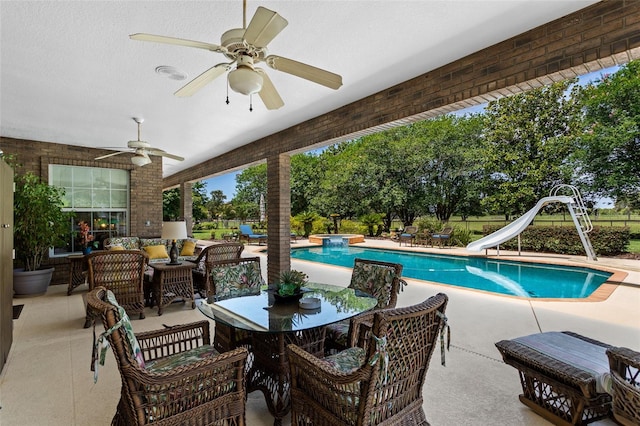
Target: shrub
[(606, 241)]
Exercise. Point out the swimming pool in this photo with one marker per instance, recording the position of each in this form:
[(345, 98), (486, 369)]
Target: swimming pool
[(531, 280)]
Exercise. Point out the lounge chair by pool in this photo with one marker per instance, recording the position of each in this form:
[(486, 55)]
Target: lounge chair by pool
[(247, 234)]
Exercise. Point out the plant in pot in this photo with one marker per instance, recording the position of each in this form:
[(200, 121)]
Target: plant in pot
[(85, 238), (39, 224), (290, 282)]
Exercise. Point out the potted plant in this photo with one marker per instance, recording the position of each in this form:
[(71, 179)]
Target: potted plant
[(290, 282), (86, 239), (39, 224)]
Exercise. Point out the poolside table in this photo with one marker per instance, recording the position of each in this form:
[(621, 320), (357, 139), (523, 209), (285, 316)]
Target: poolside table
[(275, 324)]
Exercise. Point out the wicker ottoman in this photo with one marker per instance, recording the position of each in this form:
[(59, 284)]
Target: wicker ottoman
[(563, 375)]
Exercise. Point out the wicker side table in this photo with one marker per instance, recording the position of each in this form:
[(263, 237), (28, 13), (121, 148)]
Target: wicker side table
[(563, 393), (77, 272), (171, 282)]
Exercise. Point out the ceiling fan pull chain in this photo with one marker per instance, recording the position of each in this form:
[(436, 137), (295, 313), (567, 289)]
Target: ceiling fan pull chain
[(227, 89), (251, 102)]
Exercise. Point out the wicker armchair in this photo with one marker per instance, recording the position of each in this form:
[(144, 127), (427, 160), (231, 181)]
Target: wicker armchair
[(377, 383), (213, 253), (171, 376), (122, 272), (625, 373), (234, 278), (408, 236), (379, 279)]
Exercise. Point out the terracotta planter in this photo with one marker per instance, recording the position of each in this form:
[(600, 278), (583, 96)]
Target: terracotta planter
[(31, 283)]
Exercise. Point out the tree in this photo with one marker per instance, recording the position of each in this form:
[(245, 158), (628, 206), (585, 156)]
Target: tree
[(527, 143), (609, 154), (215, 204), (305, 181), (250, 184), (451, 166), (199, 201), (171, 205)]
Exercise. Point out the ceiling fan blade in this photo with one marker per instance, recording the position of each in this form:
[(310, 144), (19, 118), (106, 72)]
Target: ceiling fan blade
[(264, 26), (163, 153), (111, 155), (269, 95), (308, 72), (177, 41), (202, 80)]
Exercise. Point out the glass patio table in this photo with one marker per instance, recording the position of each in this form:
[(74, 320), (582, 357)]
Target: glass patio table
[(274, 323)]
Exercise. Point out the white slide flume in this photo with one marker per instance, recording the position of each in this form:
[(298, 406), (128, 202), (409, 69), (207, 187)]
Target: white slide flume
[(517, 226)]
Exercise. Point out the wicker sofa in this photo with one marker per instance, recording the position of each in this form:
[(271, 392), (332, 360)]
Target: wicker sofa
[(138, 243)]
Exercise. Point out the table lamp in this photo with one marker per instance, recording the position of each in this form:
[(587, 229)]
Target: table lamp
[(174, 231)]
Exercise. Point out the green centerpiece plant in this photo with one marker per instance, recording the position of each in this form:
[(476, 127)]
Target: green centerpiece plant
[(290, 282)]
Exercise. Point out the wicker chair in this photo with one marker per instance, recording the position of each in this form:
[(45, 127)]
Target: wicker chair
[(377, 382), (213, 253), (408, 236), (443, 237), (625, 373), (171, 376), (122, 272), (386, 287), (234, 278)]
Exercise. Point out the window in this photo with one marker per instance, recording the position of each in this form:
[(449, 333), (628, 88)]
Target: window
[(98, 196)]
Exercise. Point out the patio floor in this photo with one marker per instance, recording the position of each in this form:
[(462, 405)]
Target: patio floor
[(47, 380)]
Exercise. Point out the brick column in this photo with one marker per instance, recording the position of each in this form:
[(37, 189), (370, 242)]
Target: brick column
[(186, 205), (278, 214)]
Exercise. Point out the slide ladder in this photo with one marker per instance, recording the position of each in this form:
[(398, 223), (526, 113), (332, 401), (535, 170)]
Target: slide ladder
[(579, 214)]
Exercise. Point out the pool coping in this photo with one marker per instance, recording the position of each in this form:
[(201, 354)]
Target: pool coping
[(600, 294)]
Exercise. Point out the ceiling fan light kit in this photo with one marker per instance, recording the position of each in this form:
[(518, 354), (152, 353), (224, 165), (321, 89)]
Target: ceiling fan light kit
[(141, 150), (245, 80), (245, 47), (140, 159)]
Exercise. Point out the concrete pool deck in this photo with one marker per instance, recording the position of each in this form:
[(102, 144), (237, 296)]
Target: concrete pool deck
[(47, 379)]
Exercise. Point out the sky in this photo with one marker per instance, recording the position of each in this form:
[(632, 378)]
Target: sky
[(227, 182)]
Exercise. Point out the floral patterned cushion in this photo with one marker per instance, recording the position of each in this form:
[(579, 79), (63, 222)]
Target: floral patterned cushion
[(237, 280), (375, 280), (129, 243), (347, 361), (168, 363), (338, 332), (144, 242), (126, 326)]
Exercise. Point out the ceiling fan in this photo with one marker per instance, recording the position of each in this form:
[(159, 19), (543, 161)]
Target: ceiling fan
[(141, 150), (246, 47)]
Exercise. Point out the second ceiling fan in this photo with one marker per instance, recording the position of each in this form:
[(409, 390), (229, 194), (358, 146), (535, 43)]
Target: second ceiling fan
[(245, 47)]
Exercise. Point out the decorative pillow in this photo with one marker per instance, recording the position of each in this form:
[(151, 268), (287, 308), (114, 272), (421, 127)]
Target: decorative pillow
[(188, 248), (115, 247), (375, 280), (347, 361), (237, 280), (157, 252), (128, 330)]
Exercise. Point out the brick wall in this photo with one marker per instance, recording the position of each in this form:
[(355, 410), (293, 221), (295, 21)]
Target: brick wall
[(146, 183)]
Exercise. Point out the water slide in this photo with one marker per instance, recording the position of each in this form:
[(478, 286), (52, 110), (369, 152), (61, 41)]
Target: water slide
[(517, 226)]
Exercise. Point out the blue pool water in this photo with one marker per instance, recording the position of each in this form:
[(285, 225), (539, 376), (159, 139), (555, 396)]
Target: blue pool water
[(531, 280)]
